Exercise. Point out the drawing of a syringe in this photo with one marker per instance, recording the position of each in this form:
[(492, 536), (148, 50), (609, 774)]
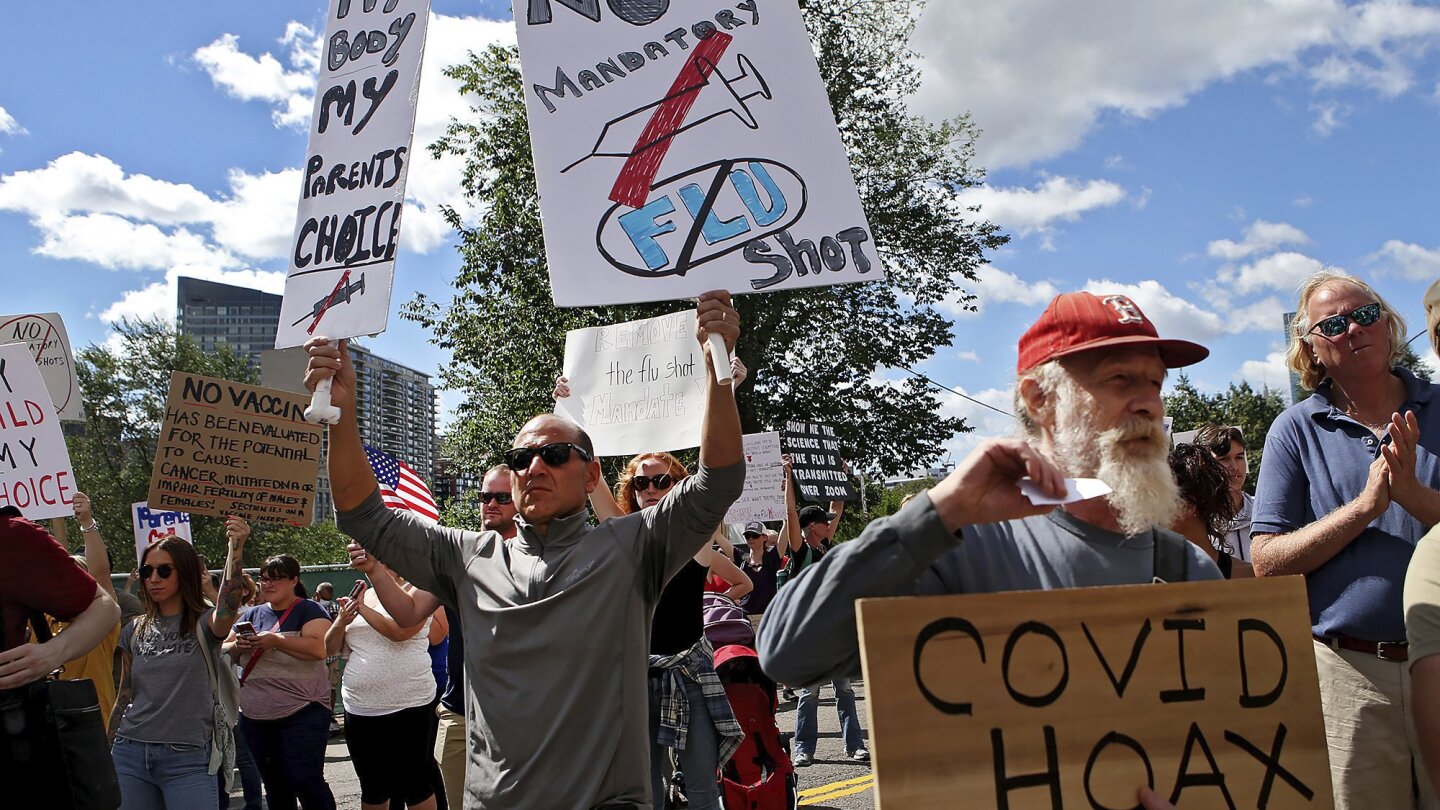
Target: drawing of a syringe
[(618, 137)]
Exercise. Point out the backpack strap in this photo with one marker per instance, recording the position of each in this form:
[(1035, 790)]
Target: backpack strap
[(1171, 560)]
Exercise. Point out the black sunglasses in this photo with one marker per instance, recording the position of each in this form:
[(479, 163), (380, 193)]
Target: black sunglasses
[(1335, 325), (164, 570), (554, 455), (662, 481), (501, 498)]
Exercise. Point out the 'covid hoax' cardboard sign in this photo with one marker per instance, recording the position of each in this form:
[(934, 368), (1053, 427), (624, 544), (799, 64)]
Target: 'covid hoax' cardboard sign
[(232, 449), (1205, 691)]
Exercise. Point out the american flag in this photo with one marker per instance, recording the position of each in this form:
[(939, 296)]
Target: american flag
[(400, 486)]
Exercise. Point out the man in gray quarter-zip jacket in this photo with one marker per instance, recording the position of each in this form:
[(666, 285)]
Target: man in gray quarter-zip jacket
[(556, 621)]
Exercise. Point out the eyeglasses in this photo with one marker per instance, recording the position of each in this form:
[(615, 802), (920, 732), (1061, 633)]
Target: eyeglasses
[(1335, 325), (164, 570), (554, 455), (661, 482), (264, 580), (501, 498)]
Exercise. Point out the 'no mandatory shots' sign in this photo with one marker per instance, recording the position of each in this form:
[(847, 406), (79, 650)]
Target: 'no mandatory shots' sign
[(685, 147), (233, 449)]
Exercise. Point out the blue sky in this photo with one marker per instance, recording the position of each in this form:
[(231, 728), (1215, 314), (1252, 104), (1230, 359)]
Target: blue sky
[(1201, 156)]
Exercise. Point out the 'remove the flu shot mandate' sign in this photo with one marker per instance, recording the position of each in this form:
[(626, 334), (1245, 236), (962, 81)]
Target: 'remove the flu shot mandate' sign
[(685, 147), (347, 227)]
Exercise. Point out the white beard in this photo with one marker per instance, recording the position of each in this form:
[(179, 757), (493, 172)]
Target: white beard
[(1145, 493)]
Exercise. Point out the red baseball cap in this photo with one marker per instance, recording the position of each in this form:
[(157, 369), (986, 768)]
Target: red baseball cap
[(1081, 321)]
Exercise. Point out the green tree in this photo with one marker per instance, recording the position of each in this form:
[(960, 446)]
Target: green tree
[(1239, 406), (1410, 360), (814, 354), (124, 392)]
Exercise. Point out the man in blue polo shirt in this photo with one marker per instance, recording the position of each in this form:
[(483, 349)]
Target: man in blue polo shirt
[(1347, 488)]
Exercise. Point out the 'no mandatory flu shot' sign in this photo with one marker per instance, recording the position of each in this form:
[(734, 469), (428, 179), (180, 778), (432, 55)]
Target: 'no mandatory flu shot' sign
[(49, 344), (685, 147)]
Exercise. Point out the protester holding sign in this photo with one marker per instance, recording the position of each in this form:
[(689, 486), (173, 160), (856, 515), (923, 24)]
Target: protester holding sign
[(595, 588), (173, 723), (285, 691), (1347, 488), (1088, 397)]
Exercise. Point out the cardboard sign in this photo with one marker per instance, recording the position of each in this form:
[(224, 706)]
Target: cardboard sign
[(764, 495), (638, 386), (818, 467), (50, 346), (157, 525), (35, 473), (233, 449), (683, 147), (347, 228), (1205, 691)]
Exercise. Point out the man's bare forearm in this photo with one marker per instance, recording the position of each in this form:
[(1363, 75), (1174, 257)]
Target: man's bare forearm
[(351, 478), (1424, 506), (720, 441), (1308, 548), (89, 628)]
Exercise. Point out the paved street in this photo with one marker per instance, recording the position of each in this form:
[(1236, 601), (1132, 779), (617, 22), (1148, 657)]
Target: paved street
[(833, 782)]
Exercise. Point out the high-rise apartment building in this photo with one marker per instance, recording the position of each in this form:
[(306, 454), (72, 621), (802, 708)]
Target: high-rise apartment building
[(394, 409), (218, 315)]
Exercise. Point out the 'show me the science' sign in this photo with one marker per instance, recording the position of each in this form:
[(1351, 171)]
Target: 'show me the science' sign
[(817, 464), (232, 449), (35, 473), (1205, 691), (637, 386), (685, 147)]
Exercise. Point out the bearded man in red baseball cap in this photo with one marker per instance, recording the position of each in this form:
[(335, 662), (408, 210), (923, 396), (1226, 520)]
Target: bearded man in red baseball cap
[(1088, 400)]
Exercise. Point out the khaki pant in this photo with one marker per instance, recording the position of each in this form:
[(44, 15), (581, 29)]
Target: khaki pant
[(453, 754), (1374, 759)]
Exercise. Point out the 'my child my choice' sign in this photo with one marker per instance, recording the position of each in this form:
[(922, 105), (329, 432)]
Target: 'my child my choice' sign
[(1075, 698)]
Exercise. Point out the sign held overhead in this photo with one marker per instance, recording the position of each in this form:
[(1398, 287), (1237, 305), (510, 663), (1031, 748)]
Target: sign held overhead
[(45, 334), (35, 472)]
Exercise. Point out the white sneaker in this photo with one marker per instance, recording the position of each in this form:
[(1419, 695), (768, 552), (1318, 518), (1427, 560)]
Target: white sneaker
[(802, 759), (860, 754)]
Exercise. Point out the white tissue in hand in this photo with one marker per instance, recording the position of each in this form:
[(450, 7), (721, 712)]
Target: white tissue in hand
[(1076, 489)]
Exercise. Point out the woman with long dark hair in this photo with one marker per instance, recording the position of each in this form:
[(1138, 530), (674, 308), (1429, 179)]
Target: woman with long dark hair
[(284, 688), (1208, 511), (167, 747)]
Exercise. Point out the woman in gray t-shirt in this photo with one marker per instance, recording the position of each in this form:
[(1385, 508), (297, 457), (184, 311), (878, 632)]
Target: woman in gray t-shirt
[(162, 726)]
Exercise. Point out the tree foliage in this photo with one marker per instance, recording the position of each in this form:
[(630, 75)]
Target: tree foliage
[(815, 354), (124, 389), (1239, 406)]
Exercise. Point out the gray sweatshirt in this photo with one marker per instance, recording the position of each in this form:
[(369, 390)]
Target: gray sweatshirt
[(556, 634), (809, 631)]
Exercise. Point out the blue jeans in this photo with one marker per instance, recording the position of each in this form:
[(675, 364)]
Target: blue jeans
[(807, 728), (291, 755), (699, 759), (249, 777), (156, 776)]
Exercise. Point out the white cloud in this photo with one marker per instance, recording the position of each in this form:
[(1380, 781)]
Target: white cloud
[(1269, 373), (1329, 116), (971, 356), (1038, 74), (262, 78), (1278, 271), (8, 124), (78, 182), (116, 243), (1411, 261), (1260, 237), (996, 286), (1029, 211), (1173, 316), (158, 299)]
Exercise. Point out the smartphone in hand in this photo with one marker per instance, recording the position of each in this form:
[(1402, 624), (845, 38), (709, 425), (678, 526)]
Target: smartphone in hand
[(359, 589), (244, 629)]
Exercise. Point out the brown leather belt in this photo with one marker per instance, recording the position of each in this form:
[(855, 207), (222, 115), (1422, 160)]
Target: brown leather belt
[(1394, 651)]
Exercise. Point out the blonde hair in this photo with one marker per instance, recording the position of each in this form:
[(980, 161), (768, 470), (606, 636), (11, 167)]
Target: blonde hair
[(625, 487), (1298, 356), (1432, 315), (1050, 376)]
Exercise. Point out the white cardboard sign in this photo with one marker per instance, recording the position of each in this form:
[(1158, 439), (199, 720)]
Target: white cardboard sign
[(50, 346), (347, 227), (35, 472), (684, 147), (637, 386), (764, 495), (157, 525)]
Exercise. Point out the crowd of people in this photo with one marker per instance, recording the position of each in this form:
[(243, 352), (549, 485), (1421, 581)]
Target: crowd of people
[(559, 656)]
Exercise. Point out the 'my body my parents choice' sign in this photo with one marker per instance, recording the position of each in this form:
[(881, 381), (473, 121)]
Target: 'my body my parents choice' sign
[(636, 386), (1204, 691), (818, 466), (49, 344), (685, 147), (232, 449), (347, 228), (35, 473)]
